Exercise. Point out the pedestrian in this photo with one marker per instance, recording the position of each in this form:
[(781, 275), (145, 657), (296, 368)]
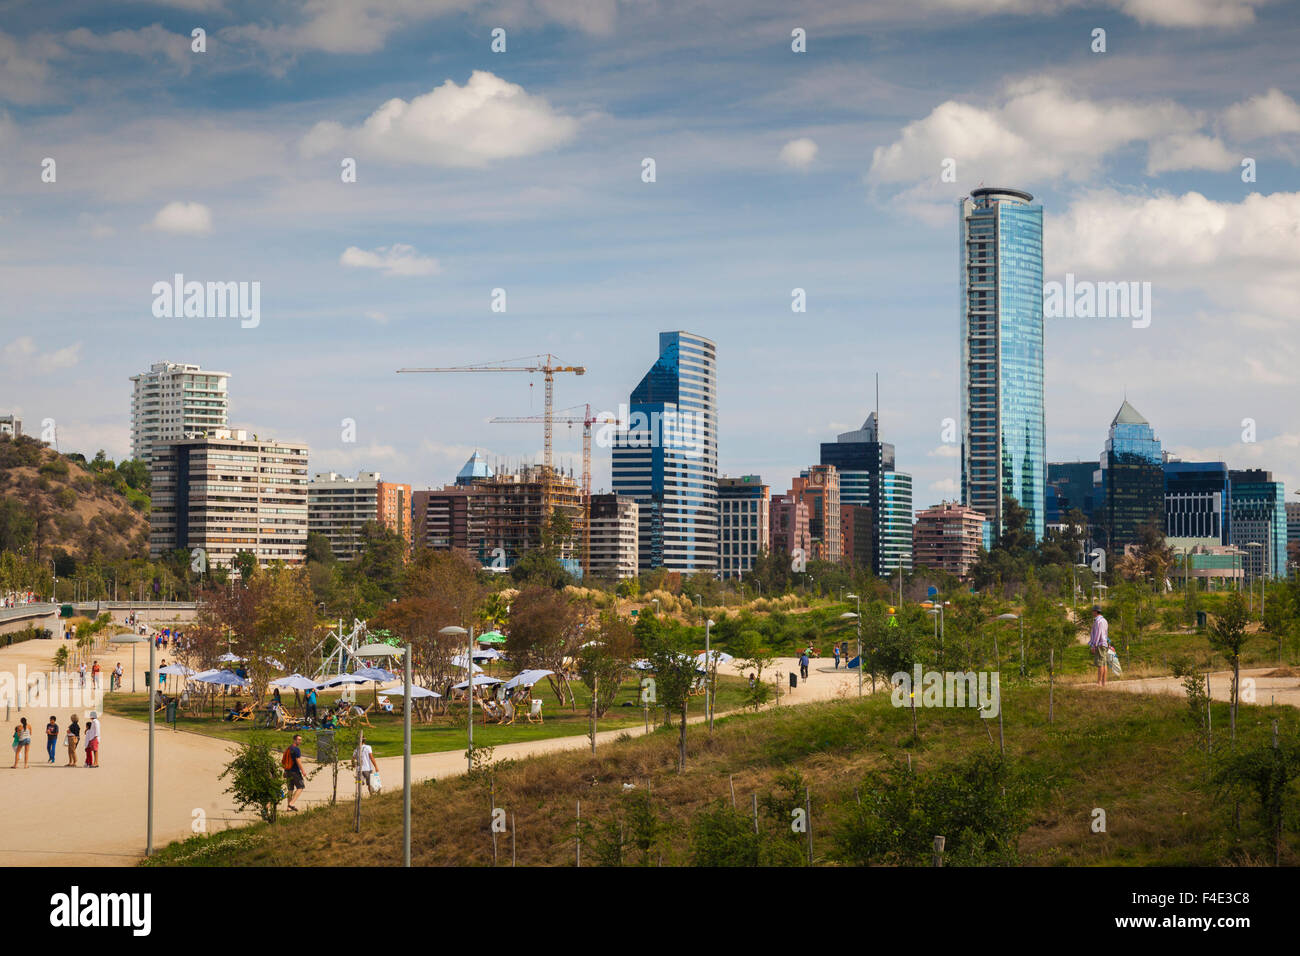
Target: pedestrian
[(117, 675), (95, 676), (803, 665), (1099, 643), (837, 656), (51, 737), (310, 712), (292, 763), (22, 741), (364, 758), (162, 678), (82, 671), (92, 740), (73, 738)]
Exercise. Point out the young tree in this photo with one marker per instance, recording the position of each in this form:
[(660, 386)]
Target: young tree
[(675, 679), (605, 662), (545, 632), (1228, 637)]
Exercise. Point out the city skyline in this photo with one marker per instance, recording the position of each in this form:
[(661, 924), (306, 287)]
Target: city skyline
[(776, 171)]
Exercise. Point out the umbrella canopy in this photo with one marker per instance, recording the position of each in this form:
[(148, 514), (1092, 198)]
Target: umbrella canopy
[(487, 654), (294, 682), (228, 657), (479, 681), (175, 670), (338, 680), (417, 692), (527, 678), (642, 665), (273, 662), (719, 657), (224, 678), (491, 637), (376, 674), (378, 650), (459, 661)]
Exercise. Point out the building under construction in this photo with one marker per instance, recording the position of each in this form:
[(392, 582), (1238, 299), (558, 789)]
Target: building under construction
[(512, 510)]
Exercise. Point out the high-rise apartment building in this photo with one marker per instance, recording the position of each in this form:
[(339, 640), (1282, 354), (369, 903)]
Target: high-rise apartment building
[(1003, 451), (819, 488), (1258, 522), (448, 520), (744, 525), (615, 534), (1292, 534), (1132, 480), (172, 402), (665, 456), (226, 493), (337, 507), (513, 511), (867, 478), (789, 526), (948, 537), (856, 535)]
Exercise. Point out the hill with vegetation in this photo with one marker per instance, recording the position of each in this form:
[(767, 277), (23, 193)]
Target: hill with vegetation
[(52, 503)]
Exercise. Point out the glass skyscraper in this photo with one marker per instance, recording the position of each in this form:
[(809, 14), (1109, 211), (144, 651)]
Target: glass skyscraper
[(1258, 522), (1132, 480), (665, 456), (868, 479), (1003, 449)]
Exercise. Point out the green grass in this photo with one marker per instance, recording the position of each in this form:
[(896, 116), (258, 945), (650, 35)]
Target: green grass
[(1132, 755), (448, 732)]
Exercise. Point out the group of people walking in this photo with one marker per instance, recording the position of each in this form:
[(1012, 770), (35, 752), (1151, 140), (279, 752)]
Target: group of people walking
[(72, 738)]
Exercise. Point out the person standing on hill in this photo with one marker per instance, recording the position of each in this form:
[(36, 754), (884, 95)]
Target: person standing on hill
[(803, 665), (51, 737), (1099, 643)]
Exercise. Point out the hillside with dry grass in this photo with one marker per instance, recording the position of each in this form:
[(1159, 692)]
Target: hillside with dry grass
[(50, 501)]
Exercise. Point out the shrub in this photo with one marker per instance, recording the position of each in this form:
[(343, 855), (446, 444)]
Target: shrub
[(256, 779)]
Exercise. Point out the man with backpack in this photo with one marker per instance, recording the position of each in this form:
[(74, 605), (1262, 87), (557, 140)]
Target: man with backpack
[(292, 764)]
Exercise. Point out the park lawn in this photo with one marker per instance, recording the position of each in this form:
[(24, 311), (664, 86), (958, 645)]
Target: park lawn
[(1134, 756), (448, 731)]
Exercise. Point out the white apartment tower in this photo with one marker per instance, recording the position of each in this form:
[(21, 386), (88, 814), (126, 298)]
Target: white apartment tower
[(173, 402)]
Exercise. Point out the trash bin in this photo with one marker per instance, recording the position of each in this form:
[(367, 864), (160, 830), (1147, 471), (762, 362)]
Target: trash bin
[(794, 680), (325, 746), (148, 678), (1200, 620), (171, 711)]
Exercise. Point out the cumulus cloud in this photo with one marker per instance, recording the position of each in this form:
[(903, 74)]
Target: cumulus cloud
[(1189, 151), (945, 486), (1193, 13), (1268, 114), (944, 451), (1036, 130), (24, 352), (487, 119), (799, 153), (395, 260), (147, 42), (184, 219)]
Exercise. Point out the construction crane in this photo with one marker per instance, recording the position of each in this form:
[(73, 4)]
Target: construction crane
[(548, 368), (586, 421)]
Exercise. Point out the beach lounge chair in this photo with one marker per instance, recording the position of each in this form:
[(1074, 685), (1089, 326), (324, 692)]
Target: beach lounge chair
[(535, 711)]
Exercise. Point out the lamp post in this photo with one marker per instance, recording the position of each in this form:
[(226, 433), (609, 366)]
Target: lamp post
[(454, 631), (710, 672), (853, 616), (1017, 617), (656, 600), (130, 637), (406, 758)]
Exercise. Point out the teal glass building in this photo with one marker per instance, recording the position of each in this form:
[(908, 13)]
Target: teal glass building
[(1132, 480), (1004, 450)]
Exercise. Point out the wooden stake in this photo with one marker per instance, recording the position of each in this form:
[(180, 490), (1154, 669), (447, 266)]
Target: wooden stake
[(732, 781), (938, 850)]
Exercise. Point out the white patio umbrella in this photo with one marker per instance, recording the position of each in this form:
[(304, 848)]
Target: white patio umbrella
[(479, 681), (527, 678), (222, 678), (459, 661), (378, 651), (719, 657), (228, 657), (294, 682), (377, 674), (176, 670), (486, 654), (338, 680)]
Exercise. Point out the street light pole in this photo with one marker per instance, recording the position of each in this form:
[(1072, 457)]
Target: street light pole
[(710, 670), (153, 680), (453, 631), (406, 760)]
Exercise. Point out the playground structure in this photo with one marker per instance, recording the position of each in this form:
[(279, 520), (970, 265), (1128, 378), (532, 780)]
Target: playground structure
[(338, 651)]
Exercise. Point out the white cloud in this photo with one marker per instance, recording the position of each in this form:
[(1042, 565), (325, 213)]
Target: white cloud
[(1037, 130), (23, 68), (486, 119), (145, 42), (1189, 151), (944, 451), (184, 219), (374, 315), (1268, 114), (395, 260), (1193, 13), (23, 352), (799, 153), (945, 486)]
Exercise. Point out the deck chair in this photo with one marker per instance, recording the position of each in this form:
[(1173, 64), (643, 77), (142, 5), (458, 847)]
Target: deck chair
[(491, 711), (363, 717), (508, 711), (535, 711)]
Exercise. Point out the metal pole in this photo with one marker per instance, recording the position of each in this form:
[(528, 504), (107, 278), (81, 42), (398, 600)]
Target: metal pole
[(469, 694), (860, 662), (1022, 643), (708, 674), (406, 761), (152, 680)]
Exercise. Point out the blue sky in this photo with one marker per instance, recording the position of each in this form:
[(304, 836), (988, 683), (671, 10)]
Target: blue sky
[(521, 170)]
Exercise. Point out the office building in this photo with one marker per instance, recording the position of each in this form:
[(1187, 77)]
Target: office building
[(1257, 523), (1196, 504), (789, 527), (665, 456), (338, 507), (172, 402), (819, 488), (744, 524), (447, 520), (856, 534), (226, 493), (948, 537), (1003, 449), (1074, 484), (1292, 535), (474, 470), (11, 425), (615, 536), (868, 479), (1132, 481)]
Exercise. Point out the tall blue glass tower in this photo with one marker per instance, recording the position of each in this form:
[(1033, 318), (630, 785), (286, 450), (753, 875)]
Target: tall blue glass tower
[(1004, 450), (666, 456)]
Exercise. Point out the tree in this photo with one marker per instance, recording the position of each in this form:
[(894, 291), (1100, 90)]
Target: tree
[(319, 550), (675, 679), (283, 625), (255, 777), (1228, 637), (753, 657), (545, 632), (245, 562), (605, 662)]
